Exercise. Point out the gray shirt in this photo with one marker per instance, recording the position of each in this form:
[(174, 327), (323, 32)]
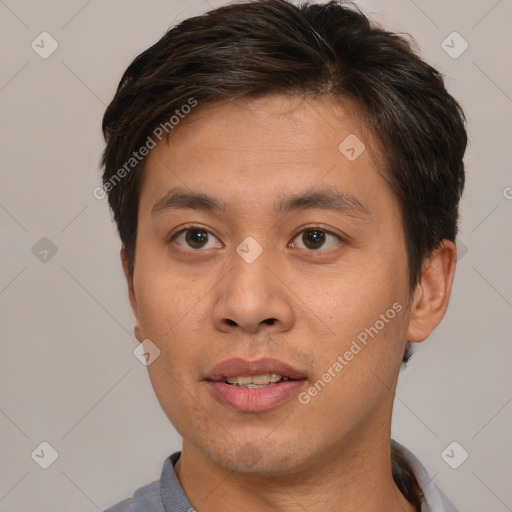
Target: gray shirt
[(167, 495)]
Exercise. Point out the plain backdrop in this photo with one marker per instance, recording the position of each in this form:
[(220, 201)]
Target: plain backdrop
[(68, 375)]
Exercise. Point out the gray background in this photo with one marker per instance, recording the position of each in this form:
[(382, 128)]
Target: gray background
[(68, 373)]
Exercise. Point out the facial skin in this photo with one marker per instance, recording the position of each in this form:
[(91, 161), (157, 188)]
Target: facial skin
[(201, 306)]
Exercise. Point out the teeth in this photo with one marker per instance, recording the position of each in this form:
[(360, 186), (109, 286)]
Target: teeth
[(259, 380)]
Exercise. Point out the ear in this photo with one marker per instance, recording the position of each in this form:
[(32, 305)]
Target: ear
[(432, 293), (131, 294)]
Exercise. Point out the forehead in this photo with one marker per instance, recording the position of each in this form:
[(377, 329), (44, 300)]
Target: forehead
[(257, 149)]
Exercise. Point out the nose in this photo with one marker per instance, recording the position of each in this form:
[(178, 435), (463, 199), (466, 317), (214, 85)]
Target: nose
[(251, 298)]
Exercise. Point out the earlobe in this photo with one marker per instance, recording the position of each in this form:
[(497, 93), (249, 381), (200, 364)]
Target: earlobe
[(432, 293), (131, 295)]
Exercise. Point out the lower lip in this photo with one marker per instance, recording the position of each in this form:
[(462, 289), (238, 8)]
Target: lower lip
[(256, 399)]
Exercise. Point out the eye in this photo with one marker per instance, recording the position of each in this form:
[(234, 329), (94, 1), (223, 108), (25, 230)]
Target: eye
[(315, 238), (196, 238)]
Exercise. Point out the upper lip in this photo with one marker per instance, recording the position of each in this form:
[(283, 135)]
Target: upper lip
[(241, 367)]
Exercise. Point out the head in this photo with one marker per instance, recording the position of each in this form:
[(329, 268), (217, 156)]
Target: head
[(286, 118)]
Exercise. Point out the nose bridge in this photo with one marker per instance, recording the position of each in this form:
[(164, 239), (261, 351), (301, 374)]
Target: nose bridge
[(248, 281), (251, 296)]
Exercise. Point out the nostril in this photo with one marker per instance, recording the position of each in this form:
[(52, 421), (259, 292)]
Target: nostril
[(268, 321)]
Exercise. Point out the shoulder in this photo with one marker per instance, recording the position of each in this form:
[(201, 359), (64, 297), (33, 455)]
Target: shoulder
[(164, 495), (143, 499), (434, 500)]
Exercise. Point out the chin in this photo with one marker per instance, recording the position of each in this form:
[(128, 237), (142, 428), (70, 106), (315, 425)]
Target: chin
[(259, 457)]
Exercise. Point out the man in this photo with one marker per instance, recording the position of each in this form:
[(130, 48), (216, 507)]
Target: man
[(285, 181)]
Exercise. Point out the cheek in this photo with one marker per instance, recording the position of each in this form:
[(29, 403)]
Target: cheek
[(350, 299), (166, 297)]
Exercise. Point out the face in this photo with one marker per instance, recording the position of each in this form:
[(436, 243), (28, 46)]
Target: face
[(265, 248)]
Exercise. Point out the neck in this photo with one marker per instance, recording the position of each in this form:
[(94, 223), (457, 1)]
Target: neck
[(356, 477)]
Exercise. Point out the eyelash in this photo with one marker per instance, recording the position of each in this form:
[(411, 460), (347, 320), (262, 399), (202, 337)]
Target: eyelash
[(316, 227)]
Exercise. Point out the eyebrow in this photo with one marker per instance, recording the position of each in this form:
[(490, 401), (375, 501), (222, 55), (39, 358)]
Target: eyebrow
[(181, 199), (323, 199), (327, 199)]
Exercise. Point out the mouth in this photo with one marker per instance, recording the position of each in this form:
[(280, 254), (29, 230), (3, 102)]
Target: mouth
[(257, 381), (254, 386)]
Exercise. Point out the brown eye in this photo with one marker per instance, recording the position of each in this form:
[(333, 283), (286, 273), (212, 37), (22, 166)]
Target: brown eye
[(195, 238), (314, 239)]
